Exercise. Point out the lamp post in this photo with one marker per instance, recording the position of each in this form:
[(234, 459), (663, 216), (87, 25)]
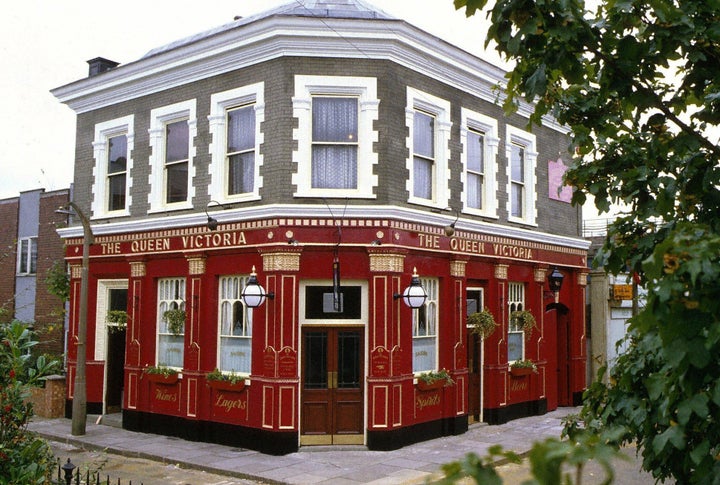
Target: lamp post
[(79, 405)]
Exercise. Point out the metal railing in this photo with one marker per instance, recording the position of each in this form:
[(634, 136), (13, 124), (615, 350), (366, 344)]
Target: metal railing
[(69, 474)]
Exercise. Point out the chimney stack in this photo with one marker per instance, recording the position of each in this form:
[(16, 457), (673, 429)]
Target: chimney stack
[(100, 65)]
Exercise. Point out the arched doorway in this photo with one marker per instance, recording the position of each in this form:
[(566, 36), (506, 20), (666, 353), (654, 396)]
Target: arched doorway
[(557, 373)]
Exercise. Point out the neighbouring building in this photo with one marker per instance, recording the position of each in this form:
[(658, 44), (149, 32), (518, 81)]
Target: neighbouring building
[(327, 151), (31, 247)]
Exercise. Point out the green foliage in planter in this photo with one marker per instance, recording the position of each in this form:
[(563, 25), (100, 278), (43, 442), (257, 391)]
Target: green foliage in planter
[(216, 375), (482, 323), (175, 319), (160, 370), (524, 364), (525, 320), (118, 317), (433, 376)]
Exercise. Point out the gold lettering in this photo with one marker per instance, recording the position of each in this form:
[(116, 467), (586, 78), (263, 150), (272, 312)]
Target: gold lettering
[(425, 401), (229, 404), (163, 395)]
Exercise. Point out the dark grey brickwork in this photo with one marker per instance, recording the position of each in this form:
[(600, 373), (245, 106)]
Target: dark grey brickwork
[(278, 75)]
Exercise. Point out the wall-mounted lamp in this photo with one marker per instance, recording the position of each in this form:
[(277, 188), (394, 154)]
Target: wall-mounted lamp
[(450, 229), (292, 242), (212, 223), (555, 281), (376, 242), (414, 295), (254, 294)]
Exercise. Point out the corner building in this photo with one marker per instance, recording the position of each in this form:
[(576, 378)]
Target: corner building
[(334, 149)]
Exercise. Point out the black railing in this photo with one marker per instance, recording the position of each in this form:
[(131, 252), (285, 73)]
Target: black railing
[(69, 474)]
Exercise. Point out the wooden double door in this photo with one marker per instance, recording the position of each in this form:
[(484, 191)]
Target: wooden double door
[(332, 405)]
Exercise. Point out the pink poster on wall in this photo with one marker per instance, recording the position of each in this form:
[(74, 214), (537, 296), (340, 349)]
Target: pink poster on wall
[(556, 189)]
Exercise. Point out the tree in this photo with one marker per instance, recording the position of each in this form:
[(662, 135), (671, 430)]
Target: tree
[(638, 84)]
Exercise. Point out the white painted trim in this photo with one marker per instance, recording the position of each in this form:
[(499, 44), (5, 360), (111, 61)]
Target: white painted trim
[(289, 211), (365, 88), (160, 117), (219, 103), (529, 142), (240, 46), (104, 131), (489, 127), (440, 108)]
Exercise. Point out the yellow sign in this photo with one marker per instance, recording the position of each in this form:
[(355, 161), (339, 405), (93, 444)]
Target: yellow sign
[(622, 292)]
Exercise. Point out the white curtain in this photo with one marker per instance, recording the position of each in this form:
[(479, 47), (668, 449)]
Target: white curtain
[(334, 151)]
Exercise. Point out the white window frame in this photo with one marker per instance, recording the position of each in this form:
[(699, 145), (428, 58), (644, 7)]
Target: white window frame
[(101, 311), (220, 103), (161, 325), (248, 316), (431, 310), (474, 121), (440, 109), (529, 144), (159, 118), (365, 89), (103, 132), (30, 258), (516, 302)]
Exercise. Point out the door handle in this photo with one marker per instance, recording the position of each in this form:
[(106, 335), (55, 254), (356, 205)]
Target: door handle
[(332, 380)]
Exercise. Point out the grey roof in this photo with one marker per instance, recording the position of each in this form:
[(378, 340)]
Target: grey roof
[(341, 9)]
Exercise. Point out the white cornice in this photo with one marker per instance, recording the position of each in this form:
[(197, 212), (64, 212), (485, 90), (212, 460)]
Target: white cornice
[(284, 211), (277, 36)]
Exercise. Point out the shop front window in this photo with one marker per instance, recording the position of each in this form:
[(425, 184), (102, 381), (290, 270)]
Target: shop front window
[(235, 332), (425, 320), (171, 322), (516, 336)]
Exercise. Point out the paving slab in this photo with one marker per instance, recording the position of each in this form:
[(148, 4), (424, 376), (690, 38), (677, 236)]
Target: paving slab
[(412, 464)]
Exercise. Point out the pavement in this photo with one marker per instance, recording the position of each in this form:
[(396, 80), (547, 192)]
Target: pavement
[(414, 464)]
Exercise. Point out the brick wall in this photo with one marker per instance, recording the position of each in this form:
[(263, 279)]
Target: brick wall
[(49, 316), (8, 256)]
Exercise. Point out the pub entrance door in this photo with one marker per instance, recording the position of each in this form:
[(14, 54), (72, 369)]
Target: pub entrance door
[(332, 408)]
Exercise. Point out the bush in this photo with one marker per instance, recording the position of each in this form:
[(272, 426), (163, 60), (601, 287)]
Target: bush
[(24, 457)]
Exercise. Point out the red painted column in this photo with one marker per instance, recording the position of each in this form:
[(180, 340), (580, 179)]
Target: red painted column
[(385, 378), (133, 359), (276, 386)]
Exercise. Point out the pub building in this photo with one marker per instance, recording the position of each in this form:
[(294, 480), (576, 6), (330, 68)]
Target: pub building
[(309, 202)]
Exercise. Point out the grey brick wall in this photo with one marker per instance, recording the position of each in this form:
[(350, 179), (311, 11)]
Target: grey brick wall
[(278, 75)]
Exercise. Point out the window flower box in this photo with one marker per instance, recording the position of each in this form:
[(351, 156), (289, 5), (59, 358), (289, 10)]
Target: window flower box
[(428, 381), (521, 368), (161, 375), (225, 382)]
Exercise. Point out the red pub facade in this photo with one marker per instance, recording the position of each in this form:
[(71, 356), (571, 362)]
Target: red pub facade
[(267, 148)]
